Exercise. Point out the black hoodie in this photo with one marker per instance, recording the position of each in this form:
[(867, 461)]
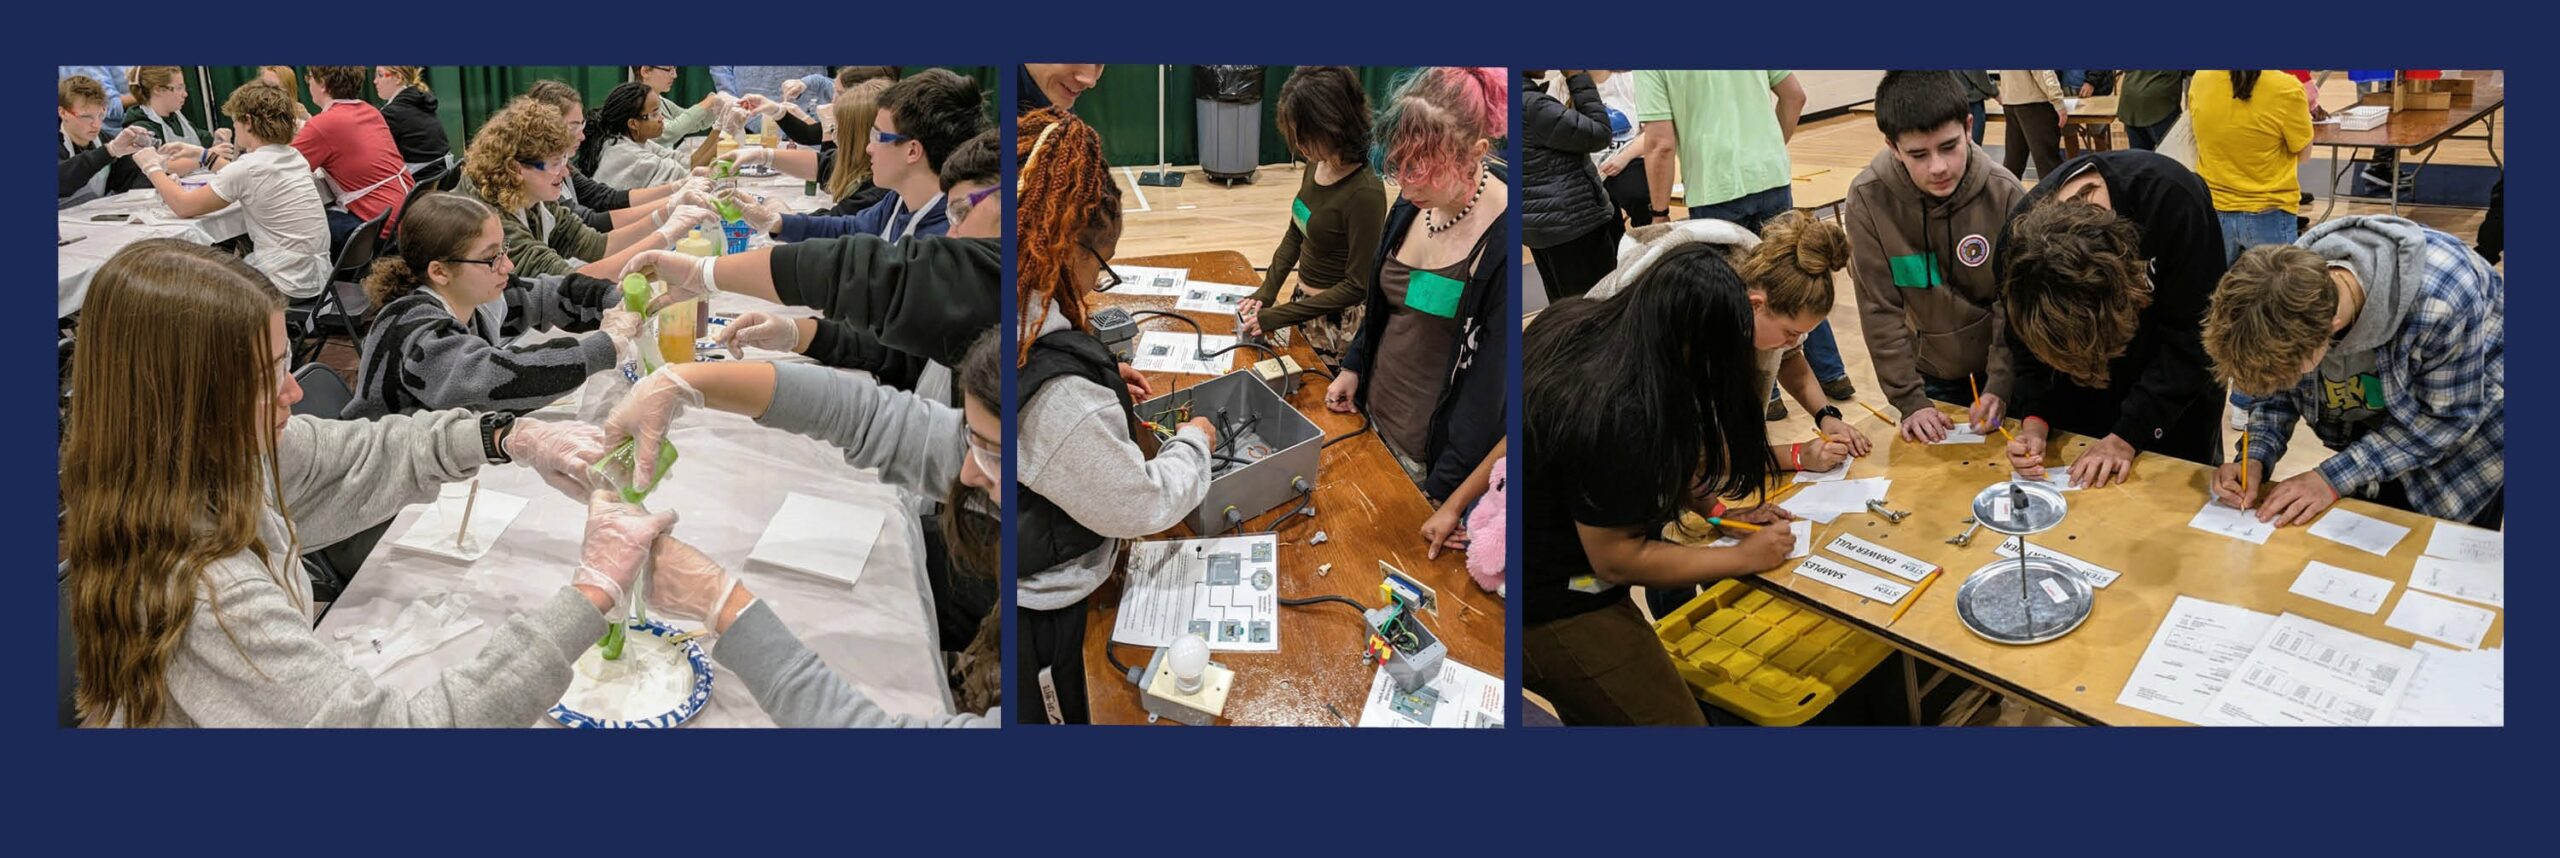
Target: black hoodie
[(411, 113)]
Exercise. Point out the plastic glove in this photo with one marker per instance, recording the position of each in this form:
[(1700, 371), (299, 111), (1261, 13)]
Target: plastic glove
[(747, 156), (643, 417), (687, 194), (148, 159), (764, 218), (134, 138), (687, 277), (683, 219), (699, 183), (753, 103), (561, 452), (623, 327), (686, 585), (225, 152), (791, 89), (617, 542), (222, 135), (759, 329)]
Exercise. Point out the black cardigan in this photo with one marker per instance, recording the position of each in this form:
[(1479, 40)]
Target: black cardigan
[(75, 170), (929, 296), (1472, 410), (414, 126), (1561, 196)]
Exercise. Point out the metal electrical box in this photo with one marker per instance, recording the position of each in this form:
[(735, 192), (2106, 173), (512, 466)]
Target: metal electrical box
[(1278, 446)]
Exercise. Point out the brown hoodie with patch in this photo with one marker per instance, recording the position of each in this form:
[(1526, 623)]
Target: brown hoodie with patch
[(1927, 298)]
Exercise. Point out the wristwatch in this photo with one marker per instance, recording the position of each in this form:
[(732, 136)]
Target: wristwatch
[(1827, 411), (491, 425)]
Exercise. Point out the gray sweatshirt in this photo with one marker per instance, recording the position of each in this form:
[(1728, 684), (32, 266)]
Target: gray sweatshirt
[(1073, 447), (339, 478), (417, 356), (916, 444)]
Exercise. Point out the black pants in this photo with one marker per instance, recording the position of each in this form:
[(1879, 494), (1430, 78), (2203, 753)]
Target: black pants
[(1627, 191), (1051, 641), (2493, 226), (2032, 130), (961, 598), (1572, 268)]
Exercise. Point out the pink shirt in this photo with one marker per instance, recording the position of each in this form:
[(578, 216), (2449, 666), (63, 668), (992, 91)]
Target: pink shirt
[(350, 140)]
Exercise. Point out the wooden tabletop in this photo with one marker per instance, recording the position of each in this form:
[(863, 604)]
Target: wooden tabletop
[(1823, 187), (1369, 511), (2418, 129), (2138, 528)]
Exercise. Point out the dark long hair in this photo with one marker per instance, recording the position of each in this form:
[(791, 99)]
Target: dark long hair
[(2243, 82), (1651, 391), (611, 119), (970, 530)]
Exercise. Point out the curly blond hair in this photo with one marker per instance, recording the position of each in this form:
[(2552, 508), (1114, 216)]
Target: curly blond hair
[(527, 130)]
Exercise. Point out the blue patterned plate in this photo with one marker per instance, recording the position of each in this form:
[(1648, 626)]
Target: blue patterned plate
[(683, 712)]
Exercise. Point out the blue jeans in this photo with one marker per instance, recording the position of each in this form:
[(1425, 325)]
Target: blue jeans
[(341, 225), (2148, 137), (1752, 211), (1979, 116), (2244, 230)]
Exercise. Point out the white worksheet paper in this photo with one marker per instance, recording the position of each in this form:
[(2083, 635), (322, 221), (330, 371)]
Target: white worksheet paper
[(2429, 616), (2097, 576), (1178, 352), (2194, 651), (2467, 544), (1221, 298), (2355, 530), (1826, 501), (2231, 521), (2345, 588), (2476, 582), (817, 536), (2455, 688), (1802, 529), (1169, 593), (2307, 673), (1838, 472), (1963, 433), (2059, 479), (1852, 580), (1467, 698), (1158, 282)]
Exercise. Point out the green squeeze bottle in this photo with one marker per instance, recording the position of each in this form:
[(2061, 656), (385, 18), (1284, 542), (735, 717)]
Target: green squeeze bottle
[(635, 298)]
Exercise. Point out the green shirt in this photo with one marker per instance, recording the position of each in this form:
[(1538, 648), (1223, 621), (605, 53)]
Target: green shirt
[(1730, 143)]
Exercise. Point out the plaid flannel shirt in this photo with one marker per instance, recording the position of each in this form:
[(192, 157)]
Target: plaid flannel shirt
[(2444, 390)]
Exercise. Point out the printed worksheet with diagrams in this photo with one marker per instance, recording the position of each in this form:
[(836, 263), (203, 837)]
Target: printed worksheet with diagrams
[(1459, 696), (1225, 590), (2309, 673)]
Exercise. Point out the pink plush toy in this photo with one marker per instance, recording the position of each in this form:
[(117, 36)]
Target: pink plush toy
[(1485, 529)]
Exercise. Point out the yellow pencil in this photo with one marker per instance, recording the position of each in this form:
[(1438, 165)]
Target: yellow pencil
[(1879, 414), (2003, 426), (1745, 527), (1913, 599), (2245, 494)]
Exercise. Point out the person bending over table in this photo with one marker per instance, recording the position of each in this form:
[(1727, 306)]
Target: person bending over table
[(915, 444), (2105, 271), (182, 525), (1427, 365), (1341, 207), (86, 167), (603, 207), (1643, 401), (288, 222), (451, 304), (620, 147), (519, 165)]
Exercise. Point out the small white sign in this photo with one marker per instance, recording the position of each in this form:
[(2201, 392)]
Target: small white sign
[(1853, 581)]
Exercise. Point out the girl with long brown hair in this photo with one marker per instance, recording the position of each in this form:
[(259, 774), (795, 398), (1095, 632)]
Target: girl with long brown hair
[(1087, 483), (189, 489)]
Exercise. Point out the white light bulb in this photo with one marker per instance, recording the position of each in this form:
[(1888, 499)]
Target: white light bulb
[(1190, 658)]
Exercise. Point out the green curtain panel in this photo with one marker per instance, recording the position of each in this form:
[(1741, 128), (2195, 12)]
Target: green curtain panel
[(1123, 108), (467, 95)]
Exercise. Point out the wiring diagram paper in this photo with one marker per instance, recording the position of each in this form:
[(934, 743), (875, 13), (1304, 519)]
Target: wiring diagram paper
[(1460, 696), (1823, 502), (2456, 688), (2306, 673), (2198, 645), (1205, 297), (1155, 282), (1179, 352), (1224, 590)]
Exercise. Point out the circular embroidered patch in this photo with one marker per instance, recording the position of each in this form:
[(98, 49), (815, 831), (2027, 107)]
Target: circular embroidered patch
[(1973, 251)]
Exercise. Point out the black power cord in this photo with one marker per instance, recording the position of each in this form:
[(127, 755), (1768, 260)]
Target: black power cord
[(1310, 600)]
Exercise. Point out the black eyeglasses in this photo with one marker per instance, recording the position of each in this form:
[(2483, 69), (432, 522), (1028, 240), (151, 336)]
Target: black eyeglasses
[(1110, 278), (492, 261)]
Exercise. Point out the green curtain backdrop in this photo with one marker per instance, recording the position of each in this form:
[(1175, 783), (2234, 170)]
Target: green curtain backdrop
[(467, 95), (1123, 108)]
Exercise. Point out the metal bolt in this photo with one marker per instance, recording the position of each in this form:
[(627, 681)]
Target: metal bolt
[(1894, 516)]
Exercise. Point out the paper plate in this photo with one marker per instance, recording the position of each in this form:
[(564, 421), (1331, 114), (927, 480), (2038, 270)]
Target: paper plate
[(650, 633)]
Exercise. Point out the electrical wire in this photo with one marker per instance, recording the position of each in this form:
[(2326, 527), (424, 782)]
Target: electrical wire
[(1306, 507), (1114, 658), (1364, 427), (1310, 600), (1199, 336), (1240, 344)]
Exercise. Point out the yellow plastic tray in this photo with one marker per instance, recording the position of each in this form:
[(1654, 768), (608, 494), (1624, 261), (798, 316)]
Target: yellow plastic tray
[(1761, 657)]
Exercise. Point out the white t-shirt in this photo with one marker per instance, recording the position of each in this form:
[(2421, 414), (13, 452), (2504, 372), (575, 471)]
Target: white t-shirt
[(288, 222), (1618, 94)]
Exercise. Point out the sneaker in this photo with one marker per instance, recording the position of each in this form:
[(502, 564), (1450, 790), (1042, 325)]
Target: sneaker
[(1840, 388), (1777, 410)]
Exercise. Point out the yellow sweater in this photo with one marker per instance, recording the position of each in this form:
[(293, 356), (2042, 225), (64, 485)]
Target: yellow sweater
[(2247, 149)]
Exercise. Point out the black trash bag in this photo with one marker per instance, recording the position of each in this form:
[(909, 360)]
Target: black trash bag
[(1227, 84)]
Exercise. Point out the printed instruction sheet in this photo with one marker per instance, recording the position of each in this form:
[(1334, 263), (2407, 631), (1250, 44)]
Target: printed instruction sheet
[(1225, 590), (1460, 696)]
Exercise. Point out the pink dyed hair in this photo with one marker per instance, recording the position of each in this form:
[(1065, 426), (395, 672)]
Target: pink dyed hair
[(1433, 115)]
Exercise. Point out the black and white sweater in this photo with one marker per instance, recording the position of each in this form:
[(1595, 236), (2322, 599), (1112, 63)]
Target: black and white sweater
[(418, 357)]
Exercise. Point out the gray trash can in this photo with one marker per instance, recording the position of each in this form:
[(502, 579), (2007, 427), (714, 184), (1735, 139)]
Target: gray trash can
[(1229, 101)]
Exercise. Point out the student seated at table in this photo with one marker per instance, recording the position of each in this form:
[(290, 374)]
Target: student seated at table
[(160, 94), (969, 181), (2391, 338), (799, 127), (679, 121), (847, 168), (1426, 365), (1643, 401), (1920, 221), (1334, 224), (451, 308), (284, 78), (409, 110), (349, 142), (288, 223), (914, 443), (1090, 478), (519, 165), (182, 527), (621, 149), (2105, 270), (920, 120), (87, 166), (601, 206)]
